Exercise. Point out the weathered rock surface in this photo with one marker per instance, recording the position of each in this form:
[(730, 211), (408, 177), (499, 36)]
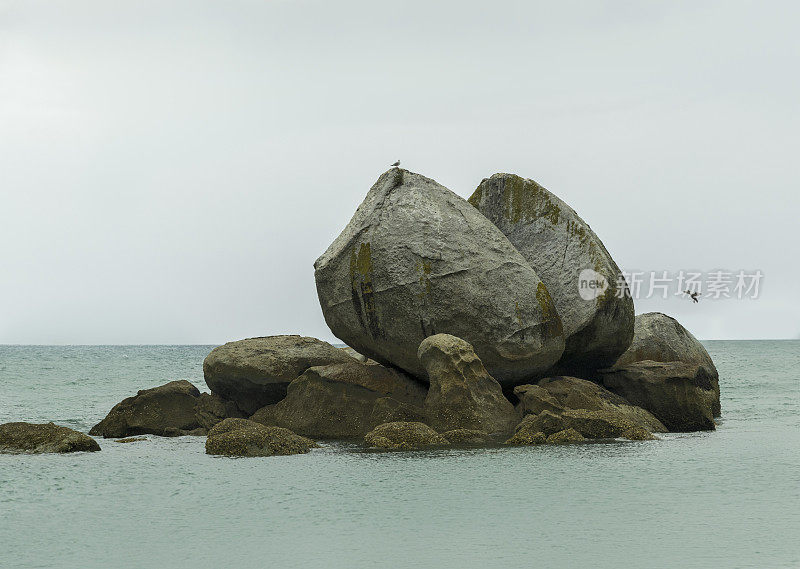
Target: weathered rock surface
[(462, 394), (417, 260), (166, 410), (43, 438), (559, 245), (345, 400), (210, 409), (256, 371), (567, 436), (660, 338), (601, 424), (682, 396), (527, 435), (403, 435), (354, 354), (561, 393), (545, 422), (241, 437)]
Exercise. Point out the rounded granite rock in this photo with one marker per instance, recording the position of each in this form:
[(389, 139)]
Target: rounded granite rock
[(567, 255), (418, 260)]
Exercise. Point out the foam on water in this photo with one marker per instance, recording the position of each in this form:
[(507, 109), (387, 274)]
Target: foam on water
[(730, 498)]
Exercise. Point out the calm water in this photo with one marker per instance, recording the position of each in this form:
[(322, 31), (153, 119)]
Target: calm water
[(725, 499)]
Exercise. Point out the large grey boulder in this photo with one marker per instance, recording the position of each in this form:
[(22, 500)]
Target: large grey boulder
[(345, 400), (462, 394), (31, 438), (256, 371), (566, 254), (660, 338), (418, 260), (680, 395), (572, 393)]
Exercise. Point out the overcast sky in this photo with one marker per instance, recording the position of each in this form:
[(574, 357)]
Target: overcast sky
[(169, 171)]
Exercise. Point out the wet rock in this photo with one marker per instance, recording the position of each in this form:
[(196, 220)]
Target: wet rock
[(526, 435), (602, 424), (256, 372), (681, 396), (567, 436), (345, 400), (32, 438), (240, 437), (404, 436), (462, 394), (417, 260), (563, 250)]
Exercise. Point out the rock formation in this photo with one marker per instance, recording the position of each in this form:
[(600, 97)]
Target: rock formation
[(462, 394)]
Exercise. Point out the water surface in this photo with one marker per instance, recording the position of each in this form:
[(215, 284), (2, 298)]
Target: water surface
[(727, 499)]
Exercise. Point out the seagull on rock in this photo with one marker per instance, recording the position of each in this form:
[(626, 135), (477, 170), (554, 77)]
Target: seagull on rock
[(396, 164)]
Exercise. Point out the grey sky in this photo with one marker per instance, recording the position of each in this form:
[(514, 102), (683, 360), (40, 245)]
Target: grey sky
[(169, 171)]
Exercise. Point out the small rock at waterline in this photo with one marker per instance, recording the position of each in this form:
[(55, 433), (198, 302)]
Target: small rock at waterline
[(35, 438)]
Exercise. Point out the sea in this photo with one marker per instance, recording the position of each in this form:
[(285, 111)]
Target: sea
[(723, 499)]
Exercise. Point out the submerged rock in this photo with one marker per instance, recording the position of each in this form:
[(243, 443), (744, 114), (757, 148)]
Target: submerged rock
[(256, 371), (462, 394), (681, 396), (660, 338), (43, 438), (166, 410), (403, 435), (241, 437), (563, 250), (417, 260), (345, 400)]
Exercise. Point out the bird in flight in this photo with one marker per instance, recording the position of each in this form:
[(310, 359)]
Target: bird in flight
[(692, 295), (396, 164)]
